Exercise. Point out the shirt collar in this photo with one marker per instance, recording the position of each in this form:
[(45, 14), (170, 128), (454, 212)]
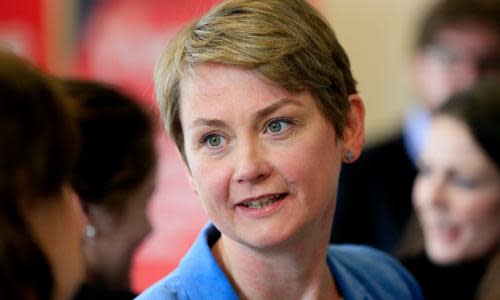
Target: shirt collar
[(415, 131), (349, 286), (200, 273)]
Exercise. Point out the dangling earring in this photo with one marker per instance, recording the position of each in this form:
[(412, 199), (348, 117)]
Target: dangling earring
[(348, 157), (90, 231)]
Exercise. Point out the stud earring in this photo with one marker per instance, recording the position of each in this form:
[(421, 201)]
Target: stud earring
[(90, 231), (348, 156)]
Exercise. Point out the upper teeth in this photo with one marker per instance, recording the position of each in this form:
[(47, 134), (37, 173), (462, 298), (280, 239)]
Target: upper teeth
[(262, 202)]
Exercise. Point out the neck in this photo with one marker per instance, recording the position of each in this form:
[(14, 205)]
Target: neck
[(297, 270)]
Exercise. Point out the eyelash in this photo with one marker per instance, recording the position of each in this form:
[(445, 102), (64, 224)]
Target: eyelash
[(457, 180), (467, 183), (287, 121), (205, 138)]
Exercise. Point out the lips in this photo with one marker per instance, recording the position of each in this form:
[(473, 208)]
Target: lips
[(444, 231), (263, 201)]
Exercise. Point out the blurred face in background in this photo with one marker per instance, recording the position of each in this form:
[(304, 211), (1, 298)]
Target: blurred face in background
[(457, 195), (110, 252), (58, 226), (456, 59)]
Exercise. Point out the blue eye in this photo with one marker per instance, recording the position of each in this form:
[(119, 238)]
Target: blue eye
[(466, 183), (277, 126), (213, 140)]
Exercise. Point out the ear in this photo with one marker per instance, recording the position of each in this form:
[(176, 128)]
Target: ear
[(354, 130), (95, 216), (103, 221)]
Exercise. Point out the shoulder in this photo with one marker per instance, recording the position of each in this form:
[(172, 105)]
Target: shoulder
[(168, 288), (357, 258), (198, 276), (418, 265), (380, 275)]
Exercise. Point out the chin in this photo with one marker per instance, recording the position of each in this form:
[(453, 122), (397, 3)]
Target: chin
[(271, 243), (439, 255), (263, 241), (266, 238)]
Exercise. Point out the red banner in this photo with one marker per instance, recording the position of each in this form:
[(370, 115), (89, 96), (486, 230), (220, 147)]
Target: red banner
[(120, 43), (22, 29)]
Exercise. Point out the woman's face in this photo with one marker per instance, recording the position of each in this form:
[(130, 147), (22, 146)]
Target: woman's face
[(457, 58), (263, 161), (58, 226), (109, 253), (457, 195)]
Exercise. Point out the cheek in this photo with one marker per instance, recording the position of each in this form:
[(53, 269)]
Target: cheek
[(211, 183), (433, 81), (417, 191), (76, 220), (135, 231), (424, 198), (481, 226), (313, 162), (482, 214)]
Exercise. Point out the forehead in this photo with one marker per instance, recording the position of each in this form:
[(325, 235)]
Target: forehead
[(450, 141), (469, 36), (218, 77), (214, 84)]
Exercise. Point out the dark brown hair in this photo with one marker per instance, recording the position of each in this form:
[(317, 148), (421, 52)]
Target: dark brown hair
[(38, 141), (118, 150), (449, 13), (479, 109)]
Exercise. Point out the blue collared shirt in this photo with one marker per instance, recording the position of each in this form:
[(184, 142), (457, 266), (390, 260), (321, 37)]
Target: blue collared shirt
[(360, 273)]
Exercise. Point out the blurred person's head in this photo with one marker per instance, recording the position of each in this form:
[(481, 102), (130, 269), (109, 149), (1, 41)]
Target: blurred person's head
[(458, 42), (457, 191), (42, 222), (115, 178)]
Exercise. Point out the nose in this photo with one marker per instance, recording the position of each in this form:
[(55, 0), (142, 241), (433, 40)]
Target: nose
[(430, 192), (252, 163)]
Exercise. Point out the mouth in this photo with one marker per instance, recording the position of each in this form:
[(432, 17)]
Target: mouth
[(444, 231), (263, 202)]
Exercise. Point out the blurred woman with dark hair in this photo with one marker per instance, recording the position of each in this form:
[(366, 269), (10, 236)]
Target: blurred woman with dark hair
[(457, 198), (115, 178), (41, 220)]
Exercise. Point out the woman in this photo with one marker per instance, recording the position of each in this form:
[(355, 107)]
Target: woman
[(42, 222), (115, 178), (457, 198), (259, 99)]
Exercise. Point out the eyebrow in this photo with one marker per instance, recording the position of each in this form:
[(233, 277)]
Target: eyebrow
[(208, 122), (259, 115)]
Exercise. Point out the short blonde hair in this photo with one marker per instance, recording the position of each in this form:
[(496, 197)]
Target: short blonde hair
[(286, 41)]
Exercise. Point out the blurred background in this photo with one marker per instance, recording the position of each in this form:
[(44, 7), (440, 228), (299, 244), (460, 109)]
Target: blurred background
[(117, 41)]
